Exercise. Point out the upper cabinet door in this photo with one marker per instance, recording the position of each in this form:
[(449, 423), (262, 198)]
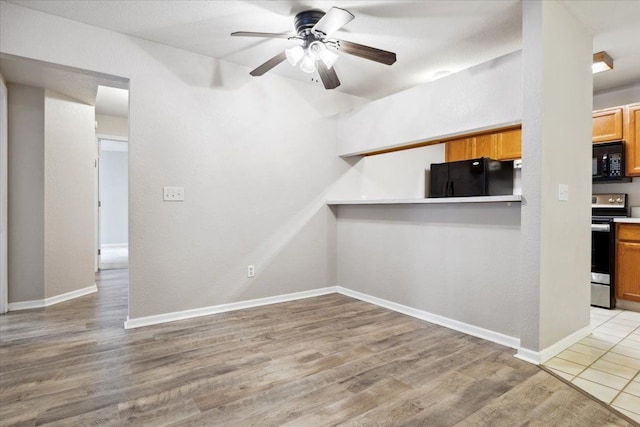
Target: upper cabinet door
[(509, 144), (484, 146), (459, 149), (632, 137), (607, 125)]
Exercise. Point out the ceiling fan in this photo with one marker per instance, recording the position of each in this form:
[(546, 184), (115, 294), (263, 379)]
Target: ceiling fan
[(316, 49)]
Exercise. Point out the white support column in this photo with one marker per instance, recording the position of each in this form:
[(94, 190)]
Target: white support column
[(556, 149)]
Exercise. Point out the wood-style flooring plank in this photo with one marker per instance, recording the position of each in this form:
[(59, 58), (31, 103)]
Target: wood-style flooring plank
[(328, 360)]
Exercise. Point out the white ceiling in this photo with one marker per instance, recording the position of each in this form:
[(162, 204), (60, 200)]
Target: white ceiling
[(431, 38), (112, 101)]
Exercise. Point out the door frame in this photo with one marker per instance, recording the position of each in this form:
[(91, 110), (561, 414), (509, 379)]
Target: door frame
[(98, 208), (4, 175)]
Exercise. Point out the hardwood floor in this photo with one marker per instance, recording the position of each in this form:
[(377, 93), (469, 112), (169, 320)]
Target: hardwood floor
[(329, 360)]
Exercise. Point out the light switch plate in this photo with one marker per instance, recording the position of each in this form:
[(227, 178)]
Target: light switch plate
[(173, 194), (563, 192)]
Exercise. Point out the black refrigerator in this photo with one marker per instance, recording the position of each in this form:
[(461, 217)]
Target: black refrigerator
[(475, 177)]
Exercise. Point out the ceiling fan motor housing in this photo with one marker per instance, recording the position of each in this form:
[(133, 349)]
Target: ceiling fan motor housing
[(305, 21)]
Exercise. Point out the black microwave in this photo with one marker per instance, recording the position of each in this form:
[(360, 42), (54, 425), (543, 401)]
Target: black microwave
[(607, 163)]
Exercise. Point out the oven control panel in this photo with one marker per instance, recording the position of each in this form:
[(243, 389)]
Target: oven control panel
[(617, 200)]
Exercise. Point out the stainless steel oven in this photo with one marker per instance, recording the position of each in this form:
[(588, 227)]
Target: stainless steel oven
[(604, 209)]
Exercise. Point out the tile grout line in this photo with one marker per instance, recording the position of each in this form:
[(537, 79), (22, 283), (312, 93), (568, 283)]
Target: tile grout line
[(601, 356), (607, 352), (630, 381)]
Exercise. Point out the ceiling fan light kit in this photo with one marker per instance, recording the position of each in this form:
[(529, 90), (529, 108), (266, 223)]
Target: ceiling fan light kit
[(308, 65), (294, 55), (313, 28)]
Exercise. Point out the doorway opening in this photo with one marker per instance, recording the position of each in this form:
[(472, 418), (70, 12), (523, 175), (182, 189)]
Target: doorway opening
[(113, 204), (57, 114)]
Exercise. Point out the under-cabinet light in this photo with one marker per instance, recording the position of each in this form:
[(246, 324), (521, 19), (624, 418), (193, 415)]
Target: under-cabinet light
[(601, 62)]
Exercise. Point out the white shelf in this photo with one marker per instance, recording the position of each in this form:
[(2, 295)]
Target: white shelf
[(516, 198)]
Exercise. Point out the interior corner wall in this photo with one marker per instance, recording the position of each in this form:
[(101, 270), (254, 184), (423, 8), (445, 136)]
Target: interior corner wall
[(255, 155), (26, 193), (69, 164), (112, 126), (555, 295)]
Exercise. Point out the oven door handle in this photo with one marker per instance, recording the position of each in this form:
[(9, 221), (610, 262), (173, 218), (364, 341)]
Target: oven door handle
[(601, 227)]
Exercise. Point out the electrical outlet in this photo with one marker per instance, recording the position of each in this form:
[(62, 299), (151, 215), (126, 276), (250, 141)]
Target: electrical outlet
[(173, 194), (251, 271)]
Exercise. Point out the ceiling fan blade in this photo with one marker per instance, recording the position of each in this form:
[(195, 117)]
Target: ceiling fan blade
[(269, 64), (328, 76), (366, 52), (267, 35), (333, 20)]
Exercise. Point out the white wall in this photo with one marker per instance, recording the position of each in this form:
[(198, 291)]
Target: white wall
[(112, 126), (395, 175), (114, 194), (51, 189), (255, 155), (615, 97), (483, 97), (457, 261), (69, 163), (26, 193)]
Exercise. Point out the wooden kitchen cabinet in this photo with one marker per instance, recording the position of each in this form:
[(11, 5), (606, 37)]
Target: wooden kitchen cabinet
[(459, 149), (627, 270), (607, 125), (484, 146), (632, 139), (509, 144), (503, 145)]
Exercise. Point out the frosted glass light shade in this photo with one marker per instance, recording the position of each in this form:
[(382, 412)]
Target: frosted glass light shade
[(316, 49), (329, 58), (308, 65), (294, 54)]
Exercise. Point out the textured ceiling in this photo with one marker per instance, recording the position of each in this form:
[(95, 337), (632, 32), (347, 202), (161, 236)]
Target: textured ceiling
[(431, 38)]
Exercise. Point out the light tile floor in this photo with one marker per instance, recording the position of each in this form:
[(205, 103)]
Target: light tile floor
[(606, 364)]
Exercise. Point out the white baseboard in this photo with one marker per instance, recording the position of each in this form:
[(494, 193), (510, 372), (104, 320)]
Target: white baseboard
[(476, 331), (456, 325), (223, 308), (27, 305), (539, 357)]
